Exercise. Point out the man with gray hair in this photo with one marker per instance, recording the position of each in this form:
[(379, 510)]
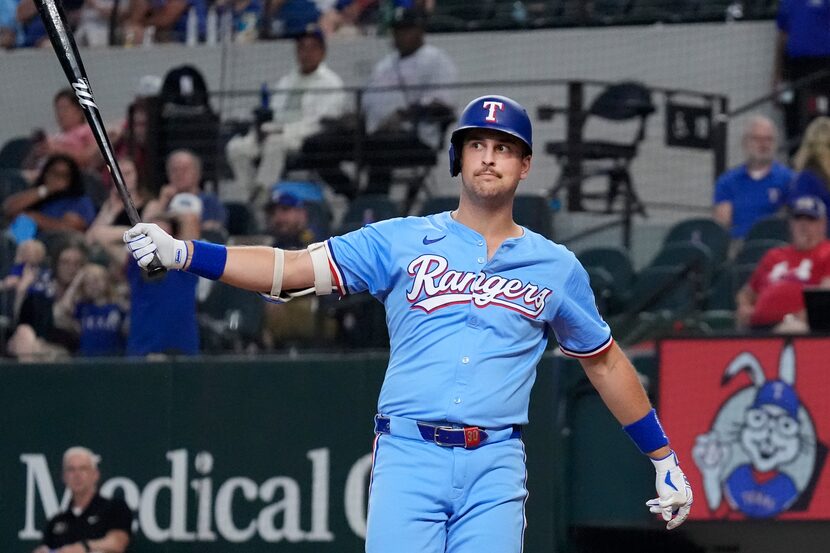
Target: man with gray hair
[(184, 176), (91, 523), (755, 189)]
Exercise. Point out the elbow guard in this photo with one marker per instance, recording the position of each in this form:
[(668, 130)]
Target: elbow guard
[(322, 275)]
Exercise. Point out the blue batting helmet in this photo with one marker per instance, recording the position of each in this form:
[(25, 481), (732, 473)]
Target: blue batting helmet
[(499, 113)]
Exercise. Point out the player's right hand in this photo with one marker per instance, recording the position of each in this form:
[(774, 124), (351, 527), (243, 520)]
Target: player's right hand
[(145, 239)]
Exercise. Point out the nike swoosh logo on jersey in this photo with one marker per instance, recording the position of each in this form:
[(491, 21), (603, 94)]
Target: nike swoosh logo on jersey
[(428, 241)]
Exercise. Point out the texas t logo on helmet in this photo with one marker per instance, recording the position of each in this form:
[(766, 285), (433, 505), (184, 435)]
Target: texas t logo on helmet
[(498, 113), (491, 106)]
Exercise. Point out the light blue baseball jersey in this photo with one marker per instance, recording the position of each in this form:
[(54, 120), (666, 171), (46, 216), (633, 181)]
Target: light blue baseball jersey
[(466, 332)]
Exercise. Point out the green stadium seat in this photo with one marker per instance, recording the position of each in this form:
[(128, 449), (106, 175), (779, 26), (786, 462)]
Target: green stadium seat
[(754, 250), (534, 213), (775, 227), (439, 204), (702, 231), (616, 264)]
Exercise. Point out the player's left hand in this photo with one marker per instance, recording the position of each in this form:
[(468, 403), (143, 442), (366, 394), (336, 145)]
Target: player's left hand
[(674, 494)]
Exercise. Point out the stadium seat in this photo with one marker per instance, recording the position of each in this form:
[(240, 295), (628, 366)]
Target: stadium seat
[(241, 222), (693, 257), (616, 264), (754, 250), (439, 204), (367, 209), (230, 318), (14, 152), (622, 102), (534, 213), (774, 227), (215, 235), (702, 231)]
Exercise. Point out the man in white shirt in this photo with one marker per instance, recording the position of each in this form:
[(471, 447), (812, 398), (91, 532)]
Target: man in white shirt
[(300, 100), (405, 105)]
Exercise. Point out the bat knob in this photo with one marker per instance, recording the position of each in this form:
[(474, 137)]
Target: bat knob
[(155, 270)]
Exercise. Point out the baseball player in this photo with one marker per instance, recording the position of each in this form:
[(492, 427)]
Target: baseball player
[(470, 298)]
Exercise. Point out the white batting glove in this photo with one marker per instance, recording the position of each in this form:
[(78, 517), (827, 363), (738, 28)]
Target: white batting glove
[(674, 494), (144, 239)]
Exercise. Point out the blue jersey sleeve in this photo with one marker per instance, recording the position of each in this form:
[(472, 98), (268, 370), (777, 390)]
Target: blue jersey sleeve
[(361, 259), (579, 329)]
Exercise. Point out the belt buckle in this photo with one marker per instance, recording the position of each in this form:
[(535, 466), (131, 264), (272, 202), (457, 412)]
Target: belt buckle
[(438, 441)]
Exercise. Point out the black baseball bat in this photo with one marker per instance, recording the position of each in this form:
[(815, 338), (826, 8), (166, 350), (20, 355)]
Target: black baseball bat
[(54, 19)]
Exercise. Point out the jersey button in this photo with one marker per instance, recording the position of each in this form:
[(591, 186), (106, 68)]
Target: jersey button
[(457, 400), (465, 359), (480, 260), (480, 242)]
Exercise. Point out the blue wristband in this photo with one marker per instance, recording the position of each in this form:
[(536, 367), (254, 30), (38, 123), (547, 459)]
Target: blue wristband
[(647, 433), (208, 260)]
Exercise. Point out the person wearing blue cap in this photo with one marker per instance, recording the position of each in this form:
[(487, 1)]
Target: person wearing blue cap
[(773, 293), (471, 298), (288, 221)]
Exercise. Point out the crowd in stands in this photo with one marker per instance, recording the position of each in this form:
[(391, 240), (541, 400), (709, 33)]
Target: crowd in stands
[(70, 289), (145, 22)]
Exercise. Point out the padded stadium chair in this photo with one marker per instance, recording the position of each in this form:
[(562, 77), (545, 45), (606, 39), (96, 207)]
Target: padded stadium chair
[(622, 102), (696, 257), (702, 231), (241, 222), (616, 263), (534, 213), (230, 318), (439, 204), (774, 227), (367, 209), (14, 152), (754, 250), (725, 285)]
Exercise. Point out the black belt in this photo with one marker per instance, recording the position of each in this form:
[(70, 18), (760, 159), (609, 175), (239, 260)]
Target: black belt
[(446, 436)]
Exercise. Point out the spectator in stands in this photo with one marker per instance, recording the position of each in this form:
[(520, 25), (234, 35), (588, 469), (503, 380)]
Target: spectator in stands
[(758, 187), (184, 175), (8, 24), (92, 310), (91, 523), (802, 49), (34, 33), (168, 18), (57, 200), (245, 16), (288, 222), (774, 292), (36, 335), (296, 111), (74, 139), (292, 17), (812, 161), (30, 255), (163, 312), (407, 120), (94, 21), (109, 225)]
